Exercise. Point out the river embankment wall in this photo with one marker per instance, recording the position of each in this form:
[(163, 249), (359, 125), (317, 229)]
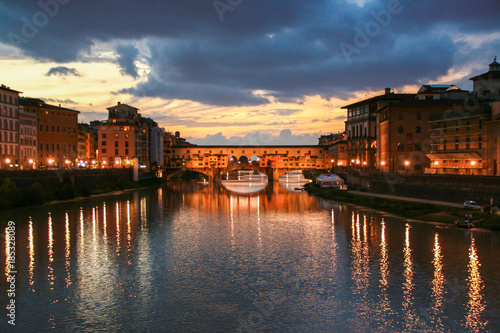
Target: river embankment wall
[(52, 179)]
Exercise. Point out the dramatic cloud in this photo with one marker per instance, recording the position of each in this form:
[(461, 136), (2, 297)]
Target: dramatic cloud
[(258, 52), (127, 55), (63, 71)]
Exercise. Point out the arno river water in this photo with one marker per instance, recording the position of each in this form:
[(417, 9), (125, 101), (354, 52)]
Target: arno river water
[(195, 258)]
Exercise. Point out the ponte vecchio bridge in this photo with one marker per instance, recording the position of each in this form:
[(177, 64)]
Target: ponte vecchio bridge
[(274, 161)]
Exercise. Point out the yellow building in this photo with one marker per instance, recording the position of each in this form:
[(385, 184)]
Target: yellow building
[(28, 136)]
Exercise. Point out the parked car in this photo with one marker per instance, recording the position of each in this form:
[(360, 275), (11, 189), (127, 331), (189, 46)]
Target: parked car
[(472, 205)]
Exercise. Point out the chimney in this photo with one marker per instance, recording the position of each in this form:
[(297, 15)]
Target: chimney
[(119, 103), (387, 91)]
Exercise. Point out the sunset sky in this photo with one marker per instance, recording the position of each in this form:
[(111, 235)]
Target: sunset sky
[(240, 71)]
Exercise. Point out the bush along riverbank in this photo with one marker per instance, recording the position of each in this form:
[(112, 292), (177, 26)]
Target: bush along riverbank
[(12, 196), (407, 209)]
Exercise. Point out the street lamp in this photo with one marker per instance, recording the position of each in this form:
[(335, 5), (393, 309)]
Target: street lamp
[(407, 163)]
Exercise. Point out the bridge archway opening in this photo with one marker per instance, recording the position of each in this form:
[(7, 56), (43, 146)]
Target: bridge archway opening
[(254, 160), (233, 160), (194, 175), (243, 160)]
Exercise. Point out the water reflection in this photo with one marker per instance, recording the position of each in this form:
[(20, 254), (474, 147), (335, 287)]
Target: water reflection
[(198, 260), (437, 286), (67, 250), (117, 213), (384, 306), (31, 243), (408, 283), (475, 304), (50, 276), (7, 254)]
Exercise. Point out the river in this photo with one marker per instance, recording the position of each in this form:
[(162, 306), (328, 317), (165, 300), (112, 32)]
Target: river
[(196, 258)]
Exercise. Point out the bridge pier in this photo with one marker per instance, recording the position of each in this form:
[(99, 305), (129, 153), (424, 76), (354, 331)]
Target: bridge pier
[(273, 174)]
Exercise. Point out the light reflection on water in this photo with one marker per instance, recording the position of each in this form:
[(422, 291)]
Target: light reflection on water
[(178, 259)]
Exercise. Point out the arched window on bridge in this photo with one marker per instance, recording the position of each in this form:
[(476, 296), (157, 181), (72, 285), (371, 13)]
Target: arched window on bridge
[(243, 160), (254, 160), (233, 160)]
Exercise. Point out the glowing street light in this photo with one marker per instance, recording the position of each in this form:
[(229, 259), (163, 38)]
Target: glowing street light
[(436, 162), (473, 163), (407, 163), (383, 162)]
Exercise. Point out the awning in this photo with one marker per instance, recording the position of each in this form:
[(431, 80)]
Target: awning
[(454, 156)]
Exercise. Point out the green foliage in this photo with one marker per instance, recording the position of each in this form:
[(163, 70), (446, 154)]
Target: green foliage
[(65, 191), (34, 195), (10, 194)]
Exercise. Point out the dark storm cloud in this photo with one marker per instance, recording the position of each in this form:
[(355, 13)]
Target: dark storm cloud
[(127, 55), (62, 71), (289, 48)]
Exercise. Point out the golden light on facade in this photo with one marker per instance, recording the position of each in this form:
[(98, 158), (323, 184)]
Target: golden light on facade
[(407, 162), (436, 162), (473, 163)]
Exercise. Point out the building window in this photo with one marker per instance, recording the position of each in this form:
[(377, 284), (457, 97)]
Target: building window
[(401, 116), (418, 146), (116, 152), (103, 135), (401, 146), (419, 116), (103, 143), (104, 150), (126, 135), (116, 135), (400, 129), (116, 143), (418, 129), (126, 151), (126, 144)]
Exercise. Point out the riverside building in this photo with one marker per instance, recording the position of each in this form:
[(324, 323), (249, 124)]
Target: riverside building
[(57, 133), (9, 127)]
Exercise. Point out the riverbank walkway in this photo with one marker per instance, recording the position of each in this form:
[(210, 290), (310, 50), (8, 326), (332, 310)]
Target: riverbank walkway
[(397, 197)]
